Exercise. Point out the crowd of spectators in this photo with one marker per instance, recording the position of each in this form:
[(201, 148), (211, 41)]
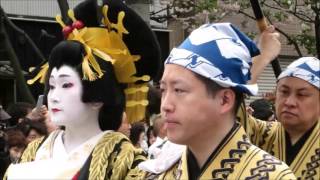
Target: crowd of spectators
[(20, 124)]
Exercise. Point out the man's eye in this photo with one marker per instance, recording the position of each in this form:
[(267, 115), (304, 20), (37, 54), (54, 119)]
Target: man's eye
[(283, 91), (303, 94), (67, 85), (178, 90)]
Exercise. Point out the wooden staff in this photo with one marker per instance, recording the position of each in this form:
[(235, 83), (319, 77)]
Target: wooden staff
[(262, 25)]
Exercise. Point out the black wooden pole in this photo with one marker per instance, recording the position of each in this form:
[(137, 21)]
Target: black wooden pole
[(262, 25)]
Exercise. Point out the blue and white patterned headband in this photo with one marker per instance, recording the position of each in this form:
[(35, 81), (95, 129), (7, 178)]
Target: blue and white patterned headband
[(219, 52), (305, 68)]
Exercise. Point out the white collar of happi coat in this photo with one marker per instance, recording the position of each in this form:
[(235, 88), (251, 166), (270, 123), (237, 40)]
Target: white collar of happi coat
[(52, 160), (158, 141), (169, 155), (154, 149)]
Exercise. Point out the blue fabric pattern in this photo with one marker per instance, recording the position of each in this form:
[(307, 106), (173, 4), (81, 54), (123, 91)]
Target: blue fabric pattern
[(305, 68), (219, 52)]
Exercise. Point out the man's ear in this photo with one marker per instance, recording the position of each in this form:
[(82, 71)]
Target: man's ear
[(96, 105), (227, 100)]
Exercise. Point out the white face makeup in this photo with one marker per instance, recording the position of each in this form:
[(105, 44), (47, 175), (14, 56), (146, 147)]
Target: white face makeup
[(64, 98)]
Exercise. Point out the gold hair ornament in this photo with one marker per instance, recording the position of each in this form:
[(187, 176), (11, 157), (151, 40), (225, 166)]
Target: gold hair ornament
[(108, 45)]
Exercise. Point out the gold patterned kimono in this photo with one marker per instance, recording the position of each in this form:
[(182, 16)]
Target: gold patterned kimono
[(270, 136), (234, 158), (112, 156)]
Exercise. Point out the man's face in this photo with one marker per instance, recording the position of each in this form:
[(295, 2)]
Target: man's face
[(64, 98), (186, 107), (297, 103)]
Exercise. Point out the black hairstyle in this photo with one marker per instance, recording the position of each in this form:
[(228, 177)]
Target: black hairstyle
[(262, 109), (27, 125), (150, 132), (105, 89), (140, 41), (136, 129), (212, 88), (18, 110), (154, 98)]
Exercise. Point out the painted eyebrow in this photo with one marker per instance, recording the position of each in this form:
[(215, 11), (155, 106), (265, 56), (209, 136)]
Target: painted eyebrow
[(61, 76)]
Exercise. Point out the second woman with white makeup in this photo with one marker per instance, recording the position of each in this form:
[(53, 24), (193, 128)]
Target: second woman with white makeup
[(91, 79)]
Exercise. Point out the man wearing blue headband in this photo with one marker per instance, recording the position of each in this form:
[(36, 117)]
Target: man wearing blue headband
[(202, 87), (295, 139)]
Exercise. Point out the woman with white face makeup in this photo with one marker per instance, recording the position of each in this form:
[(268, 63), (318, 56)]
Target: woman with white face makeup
[(66, 106), (91, 79)]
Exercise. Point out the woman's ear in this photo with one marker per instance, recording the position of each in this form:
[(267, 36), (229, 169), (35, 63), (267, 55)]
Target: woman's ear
[(96, 105)]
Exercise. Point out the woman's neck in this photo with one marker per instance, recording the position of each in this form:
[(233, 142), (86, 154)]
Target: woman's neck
[(74, 136)]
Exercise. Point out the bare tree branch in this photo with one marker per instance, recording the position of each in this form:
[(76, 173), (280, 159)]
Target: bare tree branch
[(19, 77), (161, 19), (295, 7), (161, 10), (29, 40), (290, 40), (317, 33), (300, 16), (247, 15)]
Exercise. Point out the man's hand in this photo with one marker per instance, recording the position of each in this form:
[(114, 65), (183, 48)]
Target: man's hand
[(269, 44), (38, 113), (270, 47)]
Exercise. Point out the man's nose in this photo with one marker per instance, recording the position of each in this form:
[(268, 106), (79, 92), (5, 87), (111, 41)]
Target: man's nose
[(166, 103), (290, 100)]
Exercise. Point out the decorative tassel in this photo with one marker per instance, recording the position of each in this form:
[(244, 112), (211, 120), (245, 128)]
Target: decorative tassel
[(41, 75), (107, 44)]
